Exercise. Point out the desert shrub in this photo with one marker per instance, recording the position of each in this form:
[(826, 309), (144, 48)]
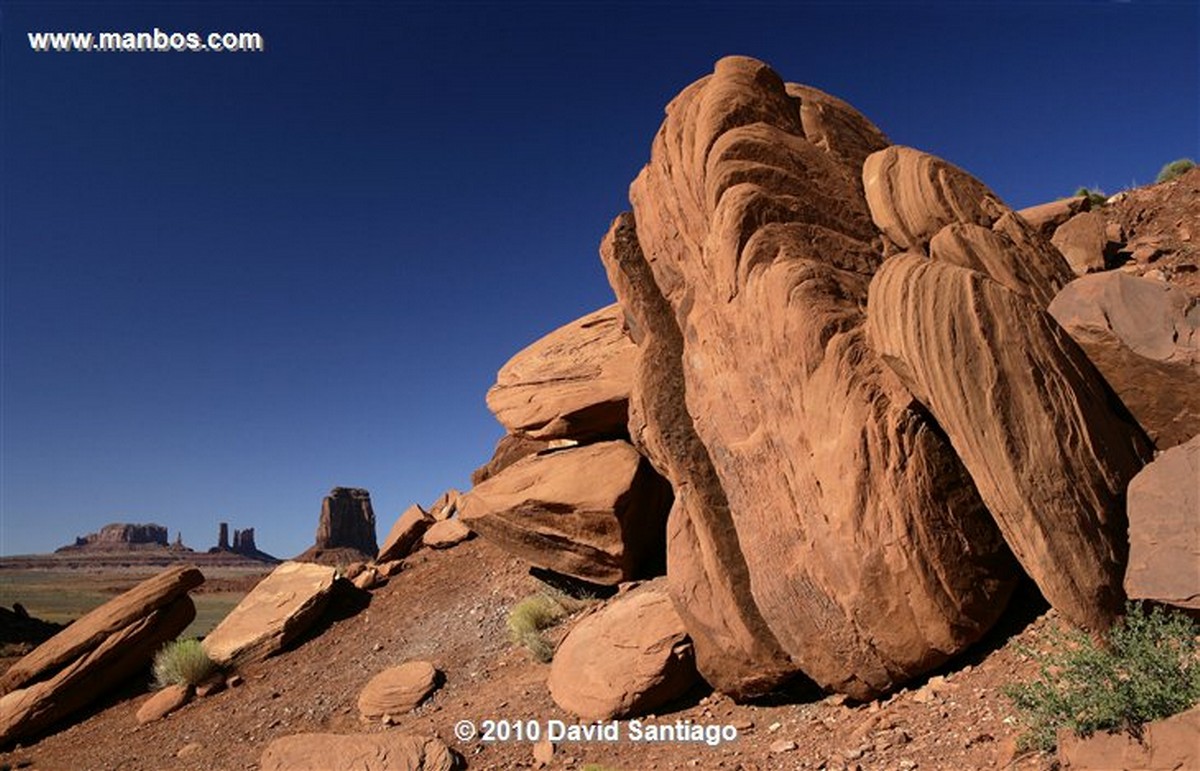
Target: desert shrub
[(529, 617), (538, 612), (1095, 195), (1175, 169), (182, 662), (1148, 670)]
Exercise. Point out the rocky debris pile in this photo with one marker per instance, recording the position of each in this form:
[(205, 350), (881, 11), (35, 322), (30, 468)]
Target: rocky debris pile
[(97, 653), (628, 658), (275, 612), (118, 536), (839, 355), (346, 529), (357, 752)]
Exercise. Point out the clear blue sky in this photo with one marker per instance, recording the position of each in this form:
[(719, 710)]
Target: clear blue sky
[(233, 281)]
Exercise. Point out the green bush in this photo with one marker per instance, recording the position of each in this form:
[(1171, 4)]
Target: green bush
[(1175, 169), (182, 662), (1148, 670), (1096, 196)]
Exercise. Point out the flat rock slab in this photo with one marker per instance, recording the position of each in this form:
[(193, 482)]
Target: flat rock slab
[(92, 629), (627, 659), (572, 384), (397, 690), (405, 534), (1164, 529), (444, 534), (275, 611), (595, 512), (1171, 744), (357, 752)]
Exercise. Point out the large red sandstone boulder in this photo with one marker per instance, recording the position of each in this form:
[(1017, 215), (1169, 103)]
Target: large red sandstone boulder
[(397, 690), (1048, 445), (97, 653), (627, 659), (92, 629), (823, 523), (595, 512), (1164, 529), (1144, 337), (1171, 744), (276, 611), (572, 384), (389, 751), (1083, 242)]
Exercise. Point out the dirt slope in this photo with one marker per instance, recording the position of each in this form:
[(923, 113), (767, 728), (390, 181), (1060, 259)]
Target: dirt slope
[(450, 608)]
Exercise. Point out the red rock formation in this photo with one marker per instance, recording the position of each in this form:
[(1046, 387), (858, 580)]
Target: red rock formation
[(824, 515), (1164, 529), (1144, 336), (595, 512), (629, 658), (571, 384), (120, 535), (346, 529), (1032, 419)]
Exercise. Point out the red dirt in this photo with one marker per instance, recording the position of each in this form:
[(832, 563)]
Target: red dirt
[(450, 608)]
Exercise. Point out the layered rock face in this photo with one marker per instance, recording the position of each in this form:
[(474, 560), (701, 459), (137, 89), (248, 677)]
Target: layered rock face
[(822, 522), (828, 516)]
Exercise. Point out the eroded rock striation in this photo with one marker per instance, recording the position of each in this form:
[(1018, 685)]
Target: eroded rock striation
[(812, 531)]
